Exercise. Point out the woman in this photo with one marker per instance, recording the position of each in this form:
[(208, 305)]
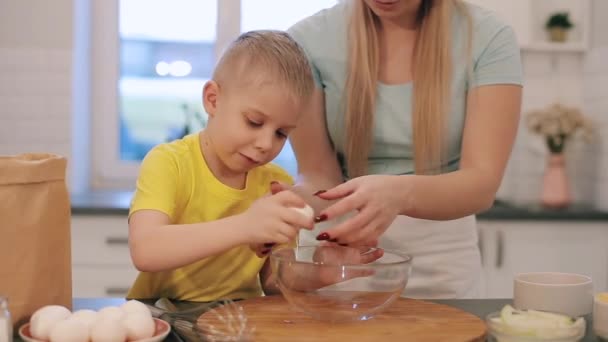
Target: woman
[(413, 119)]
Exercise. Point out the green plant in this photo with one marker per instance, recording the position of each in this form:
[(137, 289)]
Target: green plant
[(559, 19)]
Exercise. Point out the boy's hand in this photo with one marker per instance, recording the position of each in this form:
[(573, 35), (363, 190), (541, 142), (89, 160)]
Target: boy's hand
[(272, 220)]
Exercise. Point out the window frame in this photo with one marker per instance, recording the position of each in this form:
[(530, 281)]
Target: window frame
[(108, 170)]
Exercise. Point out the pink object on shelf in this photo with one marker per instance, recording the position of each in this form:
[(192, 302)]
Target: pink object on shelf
[(556, 189)]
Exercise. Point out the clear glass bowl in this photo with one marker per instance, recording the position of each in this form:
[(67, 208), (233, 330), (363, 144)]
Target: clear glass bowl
[(498, 333), (336, 283)]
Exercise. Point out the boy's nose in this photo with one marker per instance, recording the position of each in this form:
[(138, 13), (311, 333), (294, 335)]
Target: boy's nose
[(264, 141)]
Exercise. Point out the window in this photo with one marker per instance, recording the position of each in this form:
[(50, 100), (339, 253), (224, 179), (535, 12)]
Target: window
[(150, 60)]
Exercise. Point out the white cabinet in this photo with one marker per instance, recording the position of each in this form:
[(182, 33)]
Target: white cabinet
[(101, 263), (511, 247)]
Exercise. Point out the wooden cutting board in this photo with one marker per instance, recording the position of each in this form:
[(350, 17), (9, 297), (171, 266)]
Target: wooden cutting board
[(405, 320)]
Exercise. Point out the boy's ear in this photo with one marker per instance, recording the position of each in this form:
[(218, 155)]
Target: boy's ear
[(210, 95)]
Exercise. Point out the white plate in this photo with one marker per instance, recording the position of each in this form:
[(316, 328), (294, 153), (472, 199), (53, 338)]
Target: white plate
[(162, 330)]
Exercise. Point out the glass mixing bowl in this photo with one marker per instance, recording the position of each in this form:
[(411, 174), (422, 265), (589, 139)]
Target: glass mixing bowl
[(337, 283)]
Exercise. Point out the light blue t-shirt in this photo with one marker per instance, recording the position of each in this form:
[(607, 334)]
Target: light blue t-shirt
[(496, 60)]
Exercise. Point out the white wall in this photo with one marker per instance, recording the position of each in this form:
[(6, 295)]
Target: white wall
[(596, 96), (35, 76), (36, 52), (549, 77), (574, 79)]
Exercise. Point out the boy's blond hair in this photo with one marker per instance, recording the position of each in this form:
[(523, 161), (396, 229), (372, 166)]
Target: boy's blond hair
[(266, 56)]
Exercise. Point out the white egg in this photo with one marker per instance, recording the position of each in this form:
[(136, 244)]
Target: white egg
[(108, 330), (139, 326), (45, 318), (69, 330), (306, 211), (111, 312), (135, 306), (87, 317)]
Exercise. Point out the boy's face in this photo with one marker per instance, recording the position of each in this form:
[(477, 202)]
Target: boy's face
[(248, 126)]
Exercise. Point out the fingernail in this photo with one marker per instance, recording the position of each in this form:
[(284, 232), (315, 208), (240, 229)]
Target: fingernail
[(321, 218), (265, 251), (323, 237), (269, 245), (333, 240), (319, 192), (274, 183)]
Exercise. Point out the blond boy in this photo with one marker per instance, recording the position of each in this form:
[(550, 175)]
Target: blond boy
[(201, 201)]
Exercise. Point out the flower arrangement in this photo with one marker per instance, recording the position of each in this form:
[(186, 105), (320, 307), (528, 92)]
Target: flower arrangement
[(557, 124)]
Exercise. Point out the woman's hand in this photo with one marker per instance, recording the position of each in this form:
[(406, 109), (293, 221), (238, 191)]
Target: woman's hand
[(328, 269), (376, 201)]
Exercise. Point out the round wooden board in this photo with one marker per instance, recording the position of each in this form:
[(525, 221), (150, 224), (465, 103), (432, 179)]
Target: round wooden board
[(406, 320)]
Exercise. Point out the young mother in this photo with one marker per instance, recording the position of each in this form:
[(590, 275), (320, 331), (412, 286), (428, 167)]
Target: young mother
[(413, 119)]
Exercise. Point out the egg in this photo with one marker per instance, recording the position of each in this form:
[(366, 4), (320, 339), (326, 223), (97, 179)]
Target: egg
[(108, 330), (69, 330), (306, 211), (45, 318), (111, 312), (87, 317), (134, 306), (139, 326)]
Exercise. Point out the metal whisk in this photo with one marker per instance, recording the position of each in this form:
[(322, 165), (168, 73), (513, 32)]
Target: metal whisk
[(227, 323)]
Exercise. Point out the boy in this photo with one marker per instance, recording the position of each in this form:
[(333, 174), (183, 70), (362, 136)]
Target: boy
[(200, 200)]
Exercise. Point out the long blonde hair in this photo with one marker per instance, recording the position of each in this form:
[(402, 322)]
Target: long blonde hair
[(432, 80)]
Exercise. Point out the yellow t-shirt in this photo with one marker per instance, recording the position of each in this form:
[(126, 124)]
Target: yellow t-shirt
[(174, 179)]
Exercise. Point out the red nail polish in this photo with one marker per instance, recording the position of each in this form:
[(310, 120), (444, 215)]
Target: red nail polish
[(319, 192), (321, 218), (269, 245), (323, 237), (265, 251)]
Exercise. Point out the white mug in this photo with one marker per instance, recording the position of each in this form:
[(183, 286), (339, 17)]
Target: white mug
[(566, 293)]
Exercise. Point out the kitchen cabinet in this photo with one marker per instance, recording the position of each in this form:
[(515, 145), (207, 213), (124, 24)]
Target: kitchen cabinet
[(512, 247), (101, 263)]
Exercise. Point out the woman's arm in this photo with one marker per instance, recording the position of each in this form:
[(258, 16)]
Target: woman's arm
[(490, 128), (318, 166)]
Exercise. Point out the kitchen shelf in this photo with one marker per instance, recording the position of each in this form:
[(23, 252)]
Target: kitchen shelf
[(578, 36), (528, 18), (554, 47)]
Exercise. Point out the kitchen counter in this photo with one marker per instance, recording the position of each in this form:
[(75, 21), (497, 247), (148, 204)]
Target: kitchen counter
[(117, 203), (478, 307)]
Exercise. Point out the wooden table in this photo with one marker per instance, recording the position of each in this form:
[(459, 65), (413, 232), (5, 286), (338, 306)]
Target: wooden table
[(478, 307)]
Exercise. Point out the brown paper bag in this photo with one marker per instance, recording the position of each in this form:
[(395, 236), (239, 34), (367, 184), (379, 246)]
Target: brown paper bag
[(35, 257)]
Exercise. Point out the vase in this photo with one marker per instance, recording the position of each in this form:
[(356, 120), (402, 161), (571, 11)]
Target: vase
[(556, 189), (558, 34)]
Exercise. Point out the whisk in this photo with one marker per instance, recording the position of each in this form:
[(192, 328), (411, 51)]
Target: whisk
[(226, 322)]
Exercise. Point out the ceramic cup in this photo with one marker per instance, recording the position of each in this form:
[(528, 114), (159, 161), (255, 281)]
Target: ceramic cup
[(566, 293), (600, 315)]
